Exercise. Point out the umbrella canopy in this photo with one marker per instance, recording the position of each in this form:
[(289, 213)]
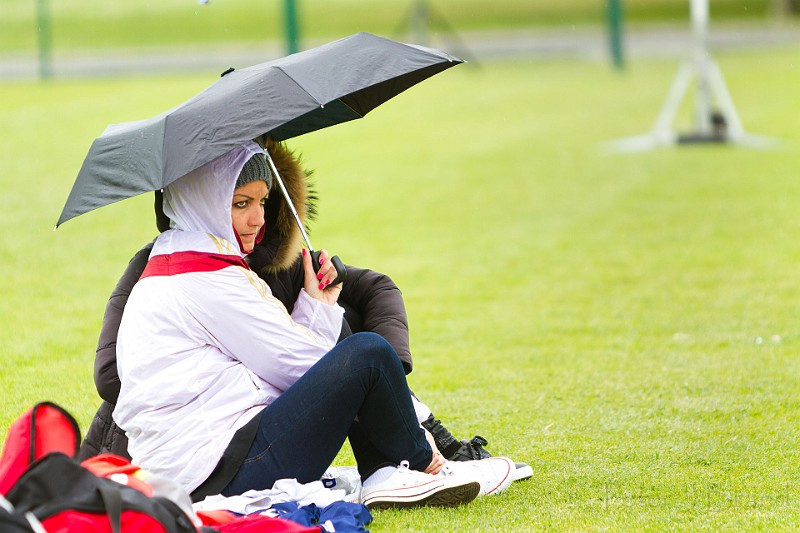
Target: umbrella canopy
[(336, 82)]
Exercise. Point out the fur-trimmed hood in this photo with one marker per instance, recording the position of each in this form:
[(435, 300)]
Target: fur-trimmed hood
[(282, 240)]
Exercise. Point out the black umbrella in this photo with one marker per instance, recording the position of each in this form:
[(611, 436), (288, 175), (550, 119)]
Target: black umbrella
[(284, 98)]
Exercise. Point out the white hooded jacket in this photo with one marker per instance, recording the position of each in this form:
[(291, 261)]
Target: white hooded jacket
[(203, 346)]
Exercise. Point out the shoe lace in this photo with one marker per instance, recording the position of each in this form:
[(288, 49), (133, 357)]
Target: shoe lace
[(475, 447), (448, 470)]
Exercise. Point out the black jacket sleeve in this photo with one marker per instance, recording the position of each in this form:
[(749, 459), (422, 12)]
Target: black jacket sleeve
[(374, 303), (106, 378)]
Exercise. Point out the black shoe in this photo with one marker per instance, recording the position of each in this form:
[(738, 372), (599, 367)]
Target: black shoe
[(473, 450)]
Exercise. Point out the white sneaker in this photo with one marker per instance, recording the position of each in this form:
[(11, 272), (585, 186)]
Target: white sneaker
[(495, 474), (409, 488), (524, 471)]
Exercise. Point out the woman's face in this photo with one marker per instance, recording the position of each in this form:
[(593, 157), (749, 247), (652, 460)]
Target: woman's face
[(247, 212)]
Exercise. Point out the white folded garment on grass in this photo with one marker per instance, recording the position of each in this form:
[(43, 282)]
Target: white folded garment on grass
[(284, 490)]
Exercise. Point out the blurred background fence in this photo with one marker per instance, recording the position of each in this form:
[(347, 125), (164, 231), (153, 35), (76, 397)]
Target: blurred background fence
[(100, 37)]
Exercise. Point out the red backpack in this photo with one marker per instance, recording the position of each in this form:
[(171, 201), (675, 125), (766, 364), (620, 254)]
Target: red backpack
[(66, 497), (45, 484)]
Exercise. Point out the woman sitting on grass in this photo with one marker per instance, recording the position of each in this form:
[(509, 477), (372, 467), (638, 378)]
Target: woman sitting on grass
[(222, 389)]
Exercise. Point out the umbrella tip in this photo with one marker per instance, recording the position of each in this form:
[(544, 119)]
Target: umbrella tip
[(228, 71)]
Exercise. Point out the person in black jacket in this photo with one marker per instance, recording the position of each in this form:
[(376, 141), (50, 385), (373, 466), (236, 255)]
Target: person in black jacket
[(372, 302)]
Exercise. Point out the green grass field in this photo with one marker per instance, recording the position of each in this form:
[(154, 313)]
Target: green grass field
[(90, 24), (627, 324)]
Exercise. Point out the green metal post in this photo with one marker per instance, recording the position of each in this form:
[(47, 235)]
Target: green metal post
[(292, 31), (44, 39), (615, 17)]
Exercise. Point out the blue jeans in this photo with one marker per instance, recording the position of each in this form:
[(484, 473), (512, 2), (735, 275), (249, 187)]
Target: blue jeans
[(358, 390)]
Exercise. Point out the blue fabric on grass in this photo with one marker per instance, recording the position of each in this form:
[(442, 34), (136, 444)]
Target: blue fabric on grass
[(345, 517)]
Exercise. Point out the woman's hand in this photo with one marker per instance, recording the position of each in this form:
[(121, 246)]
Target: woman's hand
[(318, 284), (438, 460)]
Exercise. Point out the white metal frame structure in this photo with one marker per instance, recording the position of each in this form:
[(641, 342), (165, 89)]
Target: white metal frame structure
[(713, 123)]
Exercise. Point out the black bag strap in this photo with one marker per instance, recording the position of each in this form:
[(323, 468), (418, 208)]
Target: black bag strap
[(11, 521), (112, 499)]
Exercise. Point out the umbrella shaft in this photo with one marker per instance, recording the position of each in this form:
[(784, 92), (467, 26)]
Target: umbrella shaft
[(288, 200)]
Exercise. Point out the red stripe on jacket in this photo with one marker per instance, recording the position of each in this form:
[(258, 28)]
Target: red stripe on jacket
[(184, 262)]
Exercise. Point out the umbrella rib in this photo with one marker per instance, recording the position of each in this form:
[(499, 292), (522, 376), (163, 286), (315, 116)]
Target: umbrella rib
[(321, 104), (348, 106)]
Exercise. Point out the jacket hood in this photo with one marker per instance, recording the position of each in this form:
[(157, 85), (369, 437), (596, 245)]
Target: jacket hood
[(200, 201)]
